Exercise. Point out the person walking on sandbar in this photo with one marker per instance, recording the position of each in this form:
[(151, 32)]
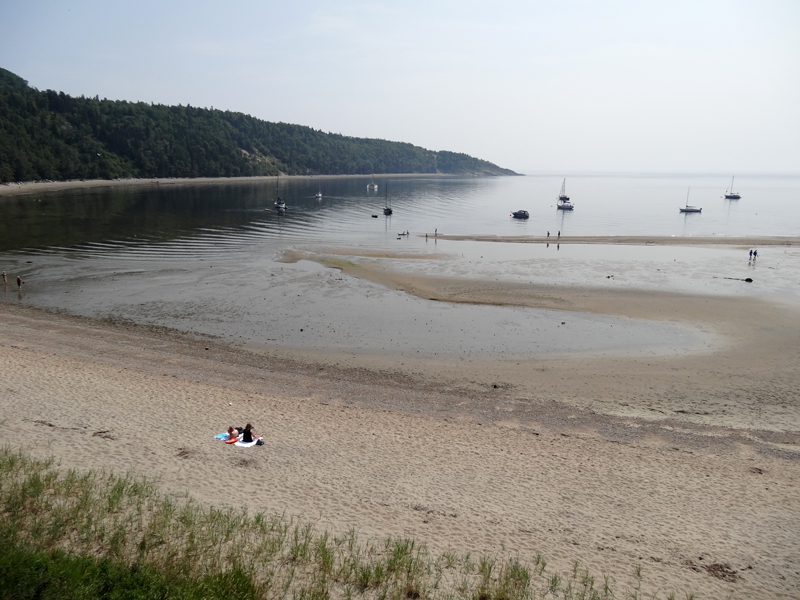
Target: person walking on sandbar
[(19, 282)]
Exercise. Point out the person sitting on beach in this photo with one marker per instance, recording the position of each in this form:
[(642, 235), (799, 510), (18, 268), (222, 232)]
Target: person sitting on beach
[(233, 434), (248, 435)]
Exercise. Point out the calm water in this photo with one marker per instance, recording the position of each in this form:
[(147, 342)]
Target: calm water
[(205, 219), (202, 258)]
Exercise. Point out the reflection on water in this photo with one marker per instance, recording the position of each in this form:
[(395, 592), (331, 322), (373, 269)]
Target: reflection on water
[(206, 218), (201, 258)]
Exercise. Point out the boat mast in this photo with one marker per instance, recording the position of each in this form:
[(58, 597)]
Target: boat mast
[(687, 195)]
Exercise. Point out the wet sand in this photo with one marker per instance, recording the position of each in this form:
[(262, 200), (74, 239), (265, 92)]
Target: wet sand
[(748, 375), (674, 463)]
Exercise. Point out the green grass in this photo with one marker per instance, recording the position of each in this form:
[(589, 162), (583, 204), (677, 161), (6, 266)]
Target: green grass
[(55, 575), (66, 534)]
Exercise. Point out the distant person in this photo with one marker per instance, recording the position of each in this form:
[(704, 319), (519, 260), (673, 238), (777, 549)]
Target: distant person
[(435, 232), (559, 234), (548, 234), (751, 254), (233, 434), (755, 254), (5, 279), (19, 282)]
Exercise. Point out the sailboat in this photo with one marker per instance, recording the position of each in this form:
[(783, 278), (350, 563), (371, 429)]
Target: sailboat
[(387, 207), (563, 199), (730, 194), (687, 208), (280, 203)]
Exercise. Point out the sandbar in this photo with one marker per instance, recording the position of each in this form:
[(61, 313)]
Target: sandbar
[(633, 240)]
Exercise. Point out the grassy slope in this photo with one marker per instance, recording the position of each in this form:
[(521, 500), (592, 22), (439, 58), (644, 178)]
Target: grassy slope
[(66, 534)]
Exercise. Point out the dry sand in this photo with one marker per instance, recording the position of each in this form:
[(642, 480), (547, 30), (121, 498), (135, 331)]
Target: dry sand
[(439, 453)]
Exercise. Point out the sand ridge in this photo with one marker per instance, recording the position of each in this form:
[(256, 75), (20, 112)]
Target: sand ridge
[(752, 361), (392, 455), (633, 240)]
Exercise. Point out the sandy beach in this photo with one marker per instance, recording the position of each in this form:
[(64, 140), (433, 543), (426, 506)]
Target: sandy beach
[(602, 402), (676, 464)]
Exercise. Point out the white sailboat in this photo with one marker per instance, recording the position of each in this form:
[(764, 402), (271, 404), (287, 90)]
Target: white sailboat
[(687, 208), (730, 194), (563, 199)]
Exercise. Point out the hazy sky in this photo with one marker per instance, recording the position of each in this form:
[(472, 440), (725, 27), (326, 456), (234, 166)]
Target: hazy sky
[(678, 86)]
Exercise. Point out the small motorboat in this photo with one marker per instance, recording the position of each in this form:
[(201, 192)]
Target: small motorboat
[(318, 195), (520, 214), (687, 208)]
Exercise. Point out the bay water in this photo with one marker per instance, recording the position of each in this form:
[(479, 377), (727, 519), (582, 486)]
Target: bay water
[(204, 258)]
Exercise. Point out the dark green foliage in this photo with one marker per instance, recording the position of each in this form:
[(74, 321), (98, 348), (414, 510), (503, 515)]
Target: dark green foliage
[(50, 135), (29, 574)]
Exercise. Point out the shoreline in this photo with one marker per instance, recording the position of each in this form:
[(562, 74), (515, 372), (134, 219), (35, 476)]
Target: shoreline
[(22, 188), (482, 470), (633, 240)]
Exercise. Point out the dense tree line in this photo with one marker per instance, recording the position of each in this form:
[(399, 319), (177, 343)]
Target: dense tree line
[(50, 135)]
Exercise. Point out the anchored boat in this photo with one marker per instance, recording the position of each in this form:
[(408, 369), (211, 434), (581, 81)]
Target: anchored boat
[(563, 199), (687, 208), (730, 194)]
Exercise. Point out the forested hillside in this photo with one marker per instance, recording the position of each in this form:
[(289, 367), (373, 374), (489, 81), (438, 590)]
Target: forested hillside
[(50, 135)]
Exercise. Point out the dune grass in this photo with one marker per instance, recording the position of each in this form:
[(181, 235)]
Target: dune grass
[(67, 534)]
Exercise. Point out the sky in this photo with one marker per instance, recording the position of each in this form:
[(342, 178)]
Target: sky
[(537, 86)]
